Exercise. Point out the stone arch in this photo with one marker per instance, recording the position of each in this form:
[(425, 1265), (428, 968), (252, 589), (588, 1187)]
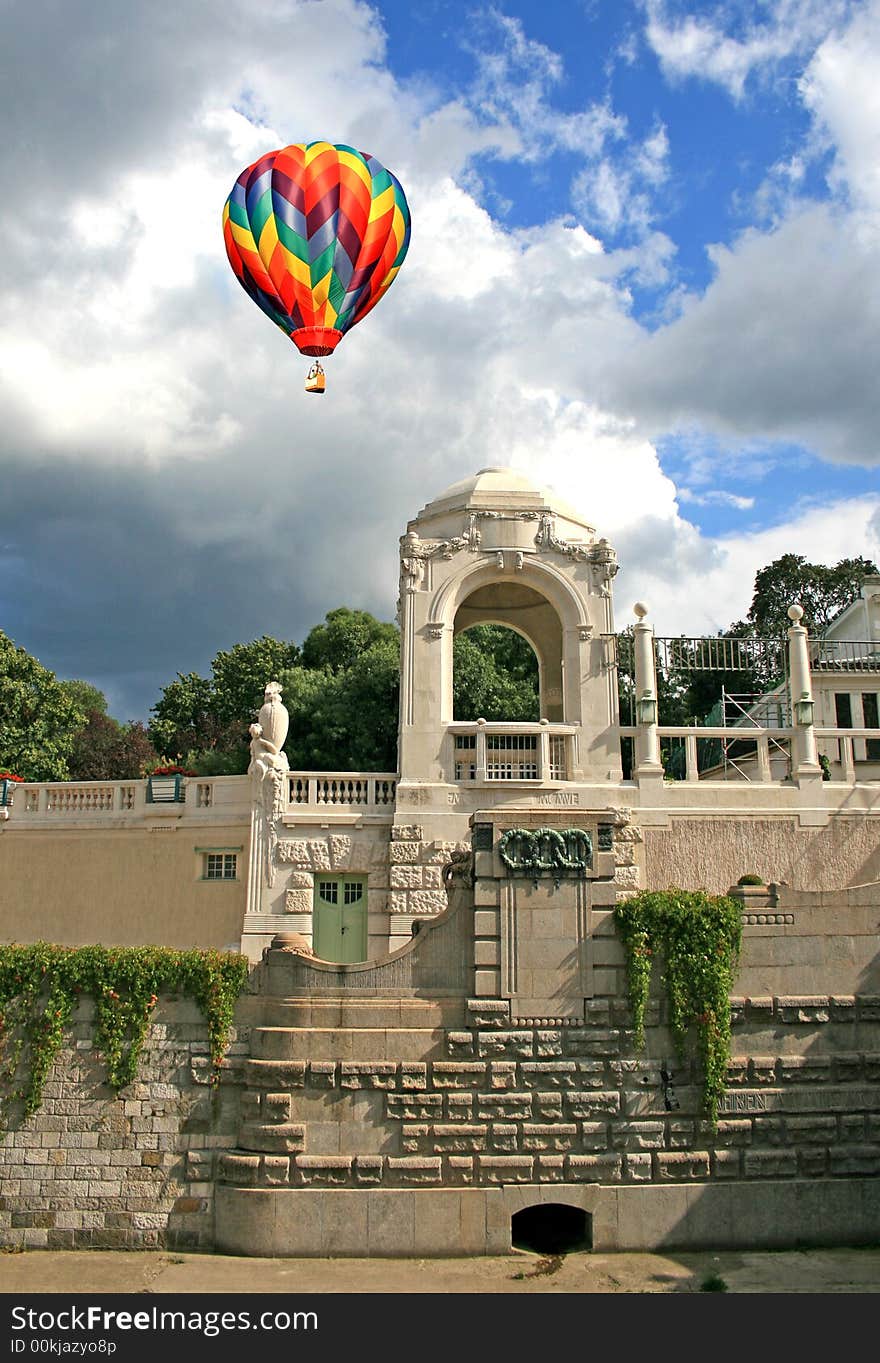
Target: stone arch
[(537, 600)]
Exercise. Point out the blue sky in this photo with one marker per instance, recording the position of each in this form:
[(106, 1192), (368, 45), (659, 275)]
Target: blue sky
[(644, 270)]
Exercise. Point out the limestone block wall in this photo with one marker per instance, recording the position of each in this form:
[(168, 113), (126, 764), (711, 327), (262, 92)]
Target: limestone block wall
[(93, 1170), (304, 852), (494, 1104), (711, 854), (416, 878), (383, 1114)]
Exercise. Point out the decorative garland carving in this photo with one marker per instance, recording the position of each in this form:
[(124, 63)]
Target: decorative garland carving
[(539, 851)]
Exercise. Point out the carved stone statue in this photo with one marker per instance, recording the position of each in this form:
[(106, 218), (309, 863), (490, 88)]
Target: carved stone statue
[(267, 769), (268, 735)]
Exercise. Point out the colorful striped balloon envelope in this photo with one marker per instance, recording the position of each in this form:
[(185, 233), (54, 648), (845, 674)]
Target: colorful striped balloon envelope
[(316, 234)]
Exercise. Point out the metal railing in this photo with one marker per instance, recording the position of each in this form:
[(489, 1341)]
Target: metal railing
[(844, 655)]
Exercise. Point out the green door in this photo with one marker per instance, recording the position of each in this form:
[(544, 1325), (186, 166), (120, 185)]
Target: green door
[(340, 928)]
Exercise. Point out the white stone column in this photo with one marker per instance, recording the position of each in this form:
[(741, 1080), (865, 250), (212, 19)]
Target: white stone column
[(804, 757), (256, 855), (647, 754), (480, 751)]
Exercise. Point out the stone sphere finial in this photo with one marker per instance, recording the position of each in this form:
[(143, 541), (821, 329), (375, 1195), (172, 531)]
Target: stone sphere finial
[(795, 613), (640, 610)]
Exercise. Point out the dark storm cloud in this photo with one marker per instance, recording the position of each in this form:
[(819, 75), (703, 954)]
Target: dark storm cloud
[(103, 578)]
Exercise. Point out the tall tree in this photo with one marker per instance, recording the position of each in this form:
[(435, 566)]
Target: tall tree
[(346, 720), (494, 675), (105, 750), (38, 719), (203, 721), (821, 590), (343, 637)]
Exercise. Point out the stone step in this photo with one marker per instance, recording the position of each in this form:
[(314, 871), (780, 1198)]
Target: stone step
[(344, 1011), (347, 1043)]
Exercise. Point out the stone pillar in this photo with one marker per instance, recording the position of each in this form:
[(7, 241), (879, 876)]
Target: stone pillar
[(647, 754), (804, 757)]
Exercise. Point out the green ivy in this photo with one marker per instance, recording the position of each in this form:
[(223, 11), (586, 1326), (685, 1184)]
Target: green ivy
[(698, 938), (41, 985)]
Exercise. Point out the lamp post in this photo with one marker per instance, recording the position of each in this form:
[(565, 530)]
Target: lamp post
[(647, 739), (805, 758)]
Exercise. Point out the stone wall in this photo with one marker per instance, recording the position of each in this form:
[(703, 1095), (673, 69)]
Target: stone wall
[(711, 854), (93, 1170)]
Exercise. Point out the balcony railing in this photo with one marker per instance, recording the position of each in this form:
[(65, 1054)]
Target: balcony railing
[(511, 752), (84, 798), (761, 756), (844, 655), (311, 790)]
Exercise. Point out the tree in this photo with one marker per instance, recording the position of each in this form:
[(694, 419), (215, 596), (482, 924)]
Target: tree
[(38, 719), (344, 637), (85, 696), (240, 674), (183, 719), (494, 675), (822, 591), (203, 722), (346, 720), (105, 750)]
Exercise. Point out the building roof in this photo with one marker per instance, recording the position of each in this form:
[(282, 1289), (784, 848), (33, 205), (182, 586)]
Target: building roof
[(501, 489)]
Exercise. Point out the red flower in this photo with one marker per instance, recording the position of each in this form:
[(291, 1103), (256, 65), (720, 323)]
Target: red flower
[(10, 776), (172, 771)]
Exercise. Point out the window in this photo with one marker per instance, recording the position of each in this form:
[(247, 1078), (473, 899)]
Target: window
[(221, 866), (843, 709), (869, 710)]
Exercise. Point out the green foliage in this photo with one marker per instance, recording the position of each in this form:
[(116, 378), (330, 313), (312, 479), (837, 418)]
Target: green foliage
[(85, 696), (750, 879), (698, 937), (205, 720), (38, 718), (495, 675), (821, 590), (240, 675), (713, 1283), (346, 720), (343, 638), (40, 986)]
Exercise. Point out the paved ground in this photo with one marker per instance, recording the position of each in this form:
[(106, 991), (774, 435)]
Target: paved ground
[(163, 1272)]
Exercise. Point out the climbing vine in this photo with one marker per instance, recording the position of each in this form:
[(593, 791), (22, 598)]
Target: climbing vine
[(41, 985), (697, 936)]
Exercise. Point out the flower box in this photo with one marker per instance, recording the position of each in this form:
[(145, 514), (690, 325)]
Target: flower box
[(8, 782), (165, 789)]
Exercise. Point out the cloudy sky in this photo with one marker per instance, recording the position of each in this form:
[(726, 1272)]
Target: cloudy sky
[(644, 269)]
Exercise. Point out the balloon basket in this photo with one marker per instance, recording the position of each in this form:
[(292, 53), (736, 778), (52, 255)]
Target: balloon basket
[(315, 380)]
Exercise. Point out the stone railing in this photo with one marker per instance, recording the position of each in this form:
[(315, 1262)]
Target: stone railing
[(79, 799), (760, 755), (483, 751), (321, 790)]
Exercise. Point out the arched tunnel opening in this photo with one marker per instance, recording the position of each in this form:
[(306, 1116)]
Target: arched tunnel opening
[(551, 1228)]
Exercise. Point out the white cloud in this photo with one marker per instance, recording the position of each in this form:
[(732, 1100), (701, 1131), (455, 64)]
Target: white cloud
[(699, 46), (695, 586), (715, 497), (841, 88)]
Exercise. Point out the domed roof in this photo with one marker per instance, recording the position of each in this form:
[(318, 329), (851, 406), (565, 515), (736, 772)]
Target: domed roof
[(498, 489)]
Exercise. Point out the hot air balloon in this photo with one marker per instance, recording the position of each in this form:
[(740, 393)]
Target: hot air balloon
[(316, 234)]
